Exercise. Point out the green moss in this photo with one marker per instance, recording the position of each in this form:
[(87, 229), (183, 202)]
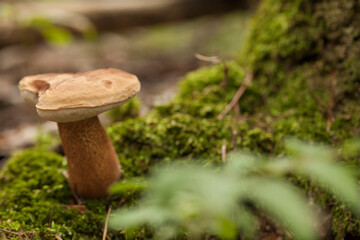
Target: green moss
[(129, 110), (305, 55), (144, 142), (38, 170), (276, 35), (345, 224), (36, 198)]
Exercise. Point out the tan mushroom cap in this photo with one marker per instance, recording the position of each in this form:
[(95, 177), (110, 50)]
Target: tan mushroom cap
[(31, 87), (72, 97)]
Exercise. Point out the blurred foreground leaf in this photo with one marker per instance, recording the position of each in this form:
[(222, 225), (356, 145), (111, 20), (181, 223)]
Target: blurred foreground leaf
[(193, 199), (286, 204)]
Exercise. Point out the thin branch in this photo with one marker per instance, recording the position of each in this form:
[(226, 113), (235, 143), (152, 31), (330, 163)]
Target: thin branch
[(238, 94), (57, 237), (215, 60), (26, 236), (223, 153), (17, 233), (21, 232), (329, 107), (8, 231), (19, 236), (211, 59), (106, 224), (4, 236), (234, 137)]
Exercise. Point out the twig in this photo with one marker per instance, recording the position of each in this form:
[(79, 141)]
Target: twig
[(330, 114), (238, 94), (329, 107), (329, 121), (237, 110), (106, 224), (212, 59), (77, 199), (57, 237), (3, 235), (8, 231), (234, 137), (320, 101), (19, 235), (215, 60), (223, 153), (26, 236)]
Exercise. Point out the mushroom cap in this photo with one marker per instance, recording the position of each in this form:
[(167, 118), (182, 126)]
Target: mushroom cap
[(67, 97)]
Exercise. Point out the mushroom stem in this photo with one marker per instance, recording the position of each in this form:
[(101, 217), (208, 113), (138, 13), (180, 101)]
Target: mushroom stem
[(92, 161)]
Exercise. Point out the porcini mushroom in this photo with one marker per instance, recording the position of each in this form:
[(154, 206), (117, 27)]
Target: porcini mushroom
[(74, 101)]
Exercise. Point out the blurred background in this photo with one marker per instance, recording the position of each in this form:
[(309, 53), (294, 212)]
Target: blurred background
[(156, 40)]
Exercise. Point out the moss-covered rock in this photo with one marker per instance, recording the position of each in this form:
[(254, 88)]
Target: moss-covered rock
[(304, 56)]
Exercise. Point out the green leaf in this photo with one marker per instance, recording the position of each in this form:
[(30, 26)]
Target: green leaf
[(239, 164), (303, 151), (286, 205), (336, 179), (246, 221), (226, 228), (317, 163), (280, 166)]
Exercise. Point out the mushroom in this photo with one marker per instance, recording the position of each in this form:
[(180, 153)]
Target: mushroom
[(74, 101)]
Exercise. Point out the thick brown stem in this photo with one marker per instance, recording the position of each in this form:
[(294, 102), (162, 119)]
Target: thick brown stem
[(92, 161)]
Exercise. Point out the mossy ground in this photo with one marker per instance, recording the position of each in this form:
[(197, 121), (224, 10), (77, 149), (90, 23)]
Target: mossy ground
[(302, 87)]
